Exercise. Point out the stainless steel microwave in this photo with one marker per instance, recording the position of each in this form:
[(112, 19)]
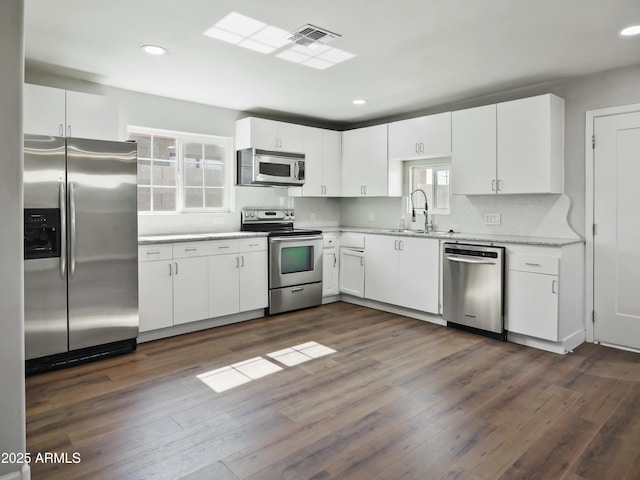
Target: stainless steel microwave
[(266, 167)]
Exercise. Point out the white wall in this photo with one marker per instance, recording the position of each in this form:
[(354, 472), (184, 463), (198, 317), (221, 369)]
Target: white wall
[(12, 397)]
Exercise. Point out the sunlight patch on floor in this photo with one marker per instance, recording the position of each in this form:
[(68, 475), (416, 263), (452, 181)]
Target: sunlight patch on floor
[(231, 376)]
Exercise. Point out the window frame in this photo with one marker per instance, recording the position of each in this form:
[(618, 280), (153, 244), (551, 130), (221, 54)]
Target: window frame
[(181, 138), (436, 164)]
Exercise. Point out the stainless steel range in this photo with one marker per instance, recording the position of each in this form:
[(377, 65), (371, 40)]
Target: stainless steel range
[(295, 259)]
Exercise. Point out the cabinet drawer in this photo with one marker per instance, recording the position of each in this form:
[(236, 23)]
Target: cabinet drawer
[(329, 240), (149, 253), (192, 249), (252, 244), (534, 263)]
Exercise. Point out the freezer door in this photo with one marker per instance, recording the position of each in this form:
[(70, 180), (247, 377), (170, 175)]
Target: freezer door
[(45, 281), (102, 242)]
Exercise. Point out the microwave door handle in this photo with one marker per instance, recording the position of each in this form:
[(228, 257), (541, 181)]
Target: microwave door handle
[(296, 170), (63, 228)]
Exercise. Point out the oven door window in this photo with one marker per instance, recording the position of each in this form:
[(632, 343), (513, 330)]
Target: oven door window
[(296, 259), (275, 169)]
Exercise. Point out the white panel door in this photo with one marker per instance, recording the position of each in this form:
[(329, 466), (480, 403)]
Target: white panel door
[(254, 281), (190, 290), (224, 289), (418, 278), (617, 239), (381, 274)]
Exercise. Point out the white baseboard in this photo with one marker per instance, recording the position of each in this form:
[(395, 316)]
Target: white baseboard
[(565, 346), (23, 474), (196, 326)]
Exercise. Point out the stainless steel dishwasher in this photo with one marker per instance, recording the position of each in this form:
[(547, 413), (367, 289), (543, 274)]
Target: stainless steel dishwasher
[(473, 299)]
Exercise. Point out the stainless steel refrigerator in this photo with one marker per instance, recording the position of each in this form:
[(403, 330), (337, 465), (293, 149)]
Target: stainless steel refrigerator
[(80, 249)]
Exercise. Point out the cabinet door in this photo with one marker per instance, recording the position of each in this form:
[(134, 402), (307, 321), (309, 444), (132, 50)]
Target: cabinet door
[(418, 274), (254, 287), (364, 162), (190, 290), (313, 182), (532, 304), (155, 294), (381, 275), (428, 136), (352, 270), (473, 161), (332, 163), (291, 137), (43, 110), (330, 271), (224, 286), (531, 145), (91, 116)]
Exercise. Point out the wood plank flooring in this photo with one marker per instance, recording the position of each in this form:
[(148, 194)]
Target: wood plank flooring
[(400, 399)]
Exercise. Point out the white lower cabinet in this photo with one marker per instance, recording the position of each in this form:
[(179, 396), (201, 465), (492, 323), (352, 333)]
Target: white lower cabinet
[(238, 281), (403, 271), (155, 287), (544, 293), (190, 281), (330, 265), (352, 272), (190, 286)]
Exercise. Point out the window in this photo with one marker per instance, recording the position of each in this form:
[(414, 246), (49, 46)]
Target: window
[(434, 180), (182, 172)]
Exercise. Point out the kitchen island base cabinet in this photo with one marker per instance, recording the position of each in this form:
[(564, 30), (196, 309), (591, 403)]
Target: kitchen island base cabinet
[(403, 271)]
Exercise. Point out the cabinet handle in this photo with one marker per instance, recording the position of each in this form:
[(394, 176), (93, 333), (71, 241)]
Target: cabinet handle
[(176, 264), (335, 260), (554, 286), (401, 245), (395, 244), (170, 269), (190, 249), (532, 264), (365, 189), (61, 130), (242, 257), (237, 262), (361, 261), (417, 149), (156, 252), (296, 290), (254, 244), (223, 246), (493, 185), (68, 130), (499, 185)]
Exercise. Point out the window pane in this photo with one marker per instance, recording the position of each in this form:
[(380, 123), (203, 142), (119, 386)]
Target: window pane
[(193, 197), (192, 174), (144, 199), (214, 174), (164, 148), (214, 152), (192, 151), (214, 197), (144, 172), (164, 199), (442, 189), (144, 145), (164, 173)]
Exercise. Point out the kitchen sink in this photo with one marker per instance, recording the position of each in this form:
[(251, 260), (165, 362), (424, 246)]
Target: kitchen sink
[(423, 232)]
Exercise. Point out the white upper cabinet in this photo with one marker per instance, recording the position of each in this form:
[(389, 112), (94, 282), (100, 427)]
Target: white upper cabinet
[(473, 165), (421, 137), (511, 147), (269, 135), (57, 112), (364, 162), (323, 163), (531, 145)]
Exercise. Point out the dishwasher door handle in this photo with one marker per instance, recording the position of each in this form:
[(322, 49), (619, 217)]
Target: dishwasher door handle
[(471, 260)]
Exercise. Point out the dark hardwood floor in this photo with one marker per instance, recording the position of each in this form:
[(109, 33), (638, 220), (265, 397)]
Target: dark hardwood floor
[(400, 399)]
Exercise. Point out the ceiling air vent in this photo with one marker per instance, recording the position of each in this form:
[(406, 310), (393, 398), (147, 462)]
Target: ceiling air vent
[(309, 34)]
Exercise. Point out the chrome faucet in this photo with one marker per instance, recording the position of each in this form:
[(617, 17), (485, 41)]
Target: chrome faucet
[(428, 226)]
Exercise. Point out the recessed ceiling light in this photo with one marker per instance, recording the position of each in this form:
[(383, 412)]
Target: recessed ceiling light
[(359, 101), (629, 31), (154, 49)]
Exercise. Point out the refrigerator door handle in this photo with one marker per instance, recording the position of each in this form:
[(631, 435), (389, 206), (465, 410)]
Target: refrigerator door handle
[(63, 227), (72, 231)]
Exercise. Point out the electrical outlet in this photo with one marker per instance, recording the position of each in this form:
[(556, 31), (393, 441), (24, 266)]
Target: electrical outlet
[(372, 217), (313, 217), (492, 219)]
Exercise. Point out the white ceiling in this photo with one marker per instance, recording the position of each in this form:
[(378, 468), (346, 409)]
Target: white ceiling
[(410, 54)]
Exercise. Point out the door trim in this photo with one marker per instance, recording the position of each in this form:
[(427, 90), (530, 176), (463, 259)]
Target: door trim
[(591, 116)]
